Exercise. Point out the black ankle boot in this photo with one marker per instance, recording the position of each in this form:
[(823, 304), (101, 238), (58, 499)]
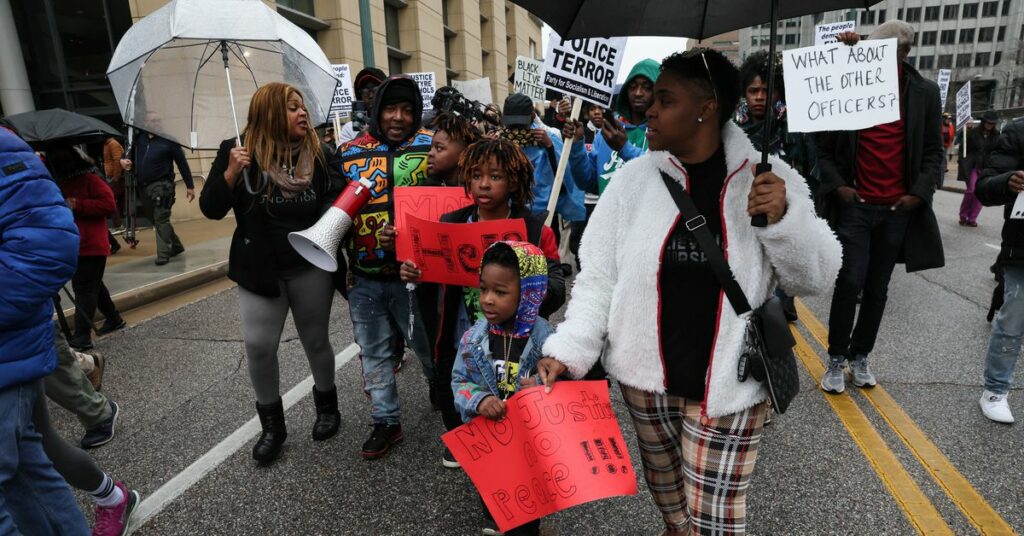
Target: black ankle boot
[(327, 416), (268, 446)]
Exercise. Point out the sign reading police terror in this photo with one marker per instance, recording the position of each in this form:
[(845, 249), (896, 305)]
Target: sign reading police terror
[(841, 87), (343, 94), (943, 81), (585, 68), (963, 106), (529, 78), (428, 85), (550, 452), (825, 34)]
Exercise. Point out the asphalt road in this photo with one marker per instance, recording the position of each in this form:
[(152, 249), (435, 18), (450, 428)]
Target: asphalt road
[(183, 388)]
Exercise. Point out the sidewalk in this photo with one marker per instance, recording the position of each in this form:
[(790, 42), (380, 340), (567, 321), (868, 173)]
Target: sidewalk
[(134, 280)]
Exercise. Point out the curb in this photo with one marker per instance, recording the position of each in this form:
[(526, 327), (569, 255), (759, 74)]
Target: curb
[(147, 294)]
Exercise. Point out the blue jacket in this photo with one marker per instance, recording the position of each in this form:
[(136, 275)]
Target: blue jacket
[(473, 377), (38, 254), (601, 160), (570, 202)]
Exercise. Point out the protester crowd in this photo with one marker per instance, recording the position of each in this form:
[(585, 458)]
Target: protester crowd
[(843, 208)]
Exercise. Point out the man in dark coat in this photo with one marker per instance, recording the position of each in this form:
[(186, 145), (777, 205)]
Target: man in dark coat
[(876, 187), (1001, 182)]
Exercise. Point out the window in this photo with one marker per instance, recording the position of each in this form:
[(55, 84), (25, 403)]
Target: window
[(1006, 7), (899, 14), (946, 61), (867, 17), (392, 36), (998, 58), (970, 11), (792, 23), (533, 49), (305, 6), (931, 13), (963, 60), (967, 35), (947, 37), (753, 42), (1002, 34), (950, 12), (928, 38), (913, 14), (985, 35), (990, 9), (981, 59), (926, 62), (791, 39)]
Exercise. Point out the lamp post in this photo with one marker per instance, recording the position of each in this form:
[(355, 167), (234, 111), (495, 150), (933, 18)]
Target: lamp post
[(1006, 85)]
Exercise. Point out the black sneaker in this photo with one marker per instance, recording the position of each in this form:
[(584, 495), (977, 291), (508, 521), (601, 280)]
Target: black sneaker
[(81, 343), (102, 433), (160, 261), (448, 460), (381, 440), (177, 251), (111, 326)]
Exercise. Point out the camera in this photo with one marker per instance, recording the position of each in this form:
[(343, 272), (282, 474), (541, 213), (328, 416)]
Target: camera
[(449, 100), (360, 116)]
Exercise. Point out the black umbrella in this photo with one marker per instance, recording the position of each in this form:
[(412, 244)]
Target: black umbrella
[(44, 126), (695, 19)]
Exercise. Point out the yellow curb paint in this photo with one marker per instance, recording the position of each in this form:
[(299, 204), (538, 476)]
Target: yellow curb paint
[(920, 511), (977, 510)]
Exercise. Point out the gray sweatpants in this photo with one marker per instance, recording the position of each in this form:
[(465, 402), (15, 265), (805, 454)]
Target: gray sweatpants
[(69, 387), (308, 295)]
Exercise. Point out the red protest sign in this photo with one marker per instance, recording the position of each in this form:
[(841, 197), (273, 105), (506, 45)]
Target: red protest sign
[(550, 452), (427, 202), (450, 253)]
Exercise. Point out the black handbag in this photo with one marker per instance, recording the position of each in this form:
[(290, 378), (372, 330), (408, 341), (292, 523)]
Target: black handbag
[(768, 345)]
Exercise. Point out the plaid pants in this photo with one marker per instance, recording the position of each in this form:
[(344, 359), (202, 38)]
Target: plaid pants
[(698, 473)]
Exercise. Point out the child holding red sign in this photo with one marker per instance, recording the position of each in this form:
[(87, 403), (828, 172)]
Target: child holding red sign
[(499, 178), (497, 356)]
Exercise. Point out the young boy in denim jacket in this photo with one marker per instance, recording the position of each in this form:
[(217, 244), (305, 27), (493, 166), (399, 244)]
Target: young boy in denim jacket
[(498, 355)]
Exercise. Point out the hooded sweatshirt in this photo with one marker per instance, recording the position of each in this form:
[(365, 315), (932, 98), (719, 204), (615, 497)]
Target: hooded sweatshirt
[(387, 165), (593, 169), (481, 368)]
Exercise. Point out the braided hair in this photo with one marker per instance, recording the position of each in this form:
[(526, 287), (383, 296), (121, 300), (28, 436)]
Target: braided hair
[(509, 157)]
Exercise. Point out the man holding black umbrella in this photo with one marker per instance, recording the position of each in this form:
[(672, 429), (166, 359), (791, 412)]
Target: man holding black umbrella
[(878, 185)]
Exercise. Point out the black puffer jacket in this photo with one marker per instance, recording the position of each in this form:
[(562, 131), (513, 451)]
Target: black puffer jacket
[(994, 188)]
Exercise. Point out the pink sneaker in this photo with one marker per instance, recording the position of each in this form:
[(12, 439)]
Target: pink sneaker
[(114, 520)]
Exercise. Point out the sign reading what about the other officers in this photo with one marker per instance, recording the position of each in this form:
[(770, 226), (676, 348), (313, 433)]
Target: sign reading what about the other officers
[(584, 68)]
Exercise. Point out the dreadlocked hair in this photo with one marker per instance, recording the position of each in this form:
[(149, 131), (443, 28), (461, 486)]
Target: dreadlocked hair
[(756, 65), (718, 77), (509, 157), (266, 132), (457, 128)]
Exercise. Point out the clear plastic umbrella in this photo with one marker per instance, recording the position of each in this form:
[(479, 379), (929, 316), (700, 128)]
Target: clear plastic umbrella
[(185, 71)]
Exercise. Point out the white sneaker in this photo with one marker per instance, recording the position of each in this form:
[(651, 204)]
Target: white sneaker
[(995, 407)]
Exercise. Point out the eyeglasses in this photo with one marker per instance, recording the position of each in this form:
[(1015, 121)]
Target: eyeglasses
[(700, 51)]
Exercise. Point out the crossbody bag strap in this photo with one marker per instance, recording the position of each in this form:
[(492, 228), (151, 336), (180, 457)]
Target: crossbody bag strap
[(698, 225)]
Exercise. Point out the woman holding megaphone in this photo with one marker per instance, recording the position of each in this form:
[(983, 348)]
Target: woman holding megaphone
[(278, 178)]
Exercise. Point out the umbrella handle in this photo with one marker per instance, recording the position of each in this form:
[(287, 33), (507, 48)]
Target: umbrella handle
[(760, 220)]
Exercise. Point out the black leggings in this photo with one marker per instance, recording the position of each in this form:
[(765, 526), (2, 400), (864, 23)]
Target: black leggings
[(77, 467), (90, 293)]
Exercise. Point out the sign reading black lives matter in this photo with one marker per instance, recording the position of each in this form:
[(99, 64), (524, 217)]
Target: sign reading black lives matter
[(842, 87), (585, 68)]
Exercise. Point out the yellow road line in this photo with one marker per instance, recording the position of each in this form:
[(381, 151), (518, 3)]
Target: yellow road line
[(977, 510), (920, 511)]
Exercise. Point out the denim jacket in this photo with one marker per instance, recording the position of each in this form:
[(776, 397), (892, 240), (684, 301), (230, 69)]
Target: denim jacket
[(473, 377)]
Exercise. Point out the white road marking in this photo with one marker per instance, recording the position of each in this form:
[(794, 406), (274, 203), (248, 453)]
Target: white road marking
[(175, 487), (995, 247)]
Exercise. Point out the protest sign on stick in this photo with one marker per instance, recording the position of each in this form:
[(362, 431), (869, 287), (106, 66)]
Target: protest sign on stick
[(450, 253), (529, 78), (427, 202), (428, 85), (475, 90), (550, 452), (943, 81), (841, 87), (963, 112), (343, 94), (584, 68), (563, 163), (826, 34)]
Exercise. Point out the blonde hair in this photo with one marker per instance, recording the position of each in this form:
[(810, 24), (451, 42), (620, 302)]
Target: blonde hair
[(266, 131)]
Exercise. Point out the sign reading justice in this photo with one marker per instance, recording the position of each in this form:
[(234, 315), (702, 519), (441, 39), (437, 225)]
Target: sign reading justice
[(450, 253), (550, 452)]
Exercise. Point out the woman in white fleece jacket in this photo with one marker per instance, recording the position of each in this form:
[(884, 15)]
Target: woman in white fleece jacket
[(674, 340)]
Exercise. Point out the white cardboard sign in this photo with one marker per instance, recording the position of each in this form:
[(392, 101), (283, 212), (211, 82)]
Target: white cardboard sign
[(476, 90), (529, 78), (943, 81), (428, 85), (343, 94), (1018, 208), (963, 105), (584, 68), (841, 87), (825, 34)]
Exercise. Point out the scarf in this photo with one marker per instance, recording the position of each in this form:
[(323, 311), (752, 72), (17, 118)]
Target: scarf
[(295, 179)]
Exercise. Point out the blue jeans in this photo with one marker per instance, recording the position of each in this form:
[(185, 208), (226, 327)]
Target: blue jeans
[(34, 499), (1007, 333), (872, 237), (377, 308)]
